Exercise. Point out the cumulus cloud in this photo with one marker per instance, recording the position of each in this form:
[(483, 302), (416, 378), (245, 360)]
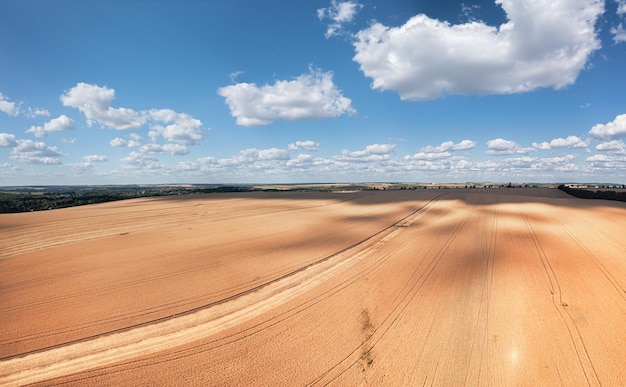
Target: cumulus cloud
[(95, 103), (614, 146), (34, 112), (118, 142), (440, 157), (450, 146), (58, 124), (612, 130), (133, 142), (95, 158), (569, 142), (311, 96), (7, 106), (35, 152), (7, 140), (374, 152), (604, 162), (339, 13), (304, 145), (173, 149), (543, 44), (301, 160), (499, 147), (525, 165), (138, 160), (179, 130), (429, 156), (180, 127), (619, 34), (273, 154)]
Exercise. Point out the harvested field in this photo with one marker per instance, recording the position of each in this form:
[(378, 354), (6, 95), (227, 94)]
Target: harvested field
[(428, 287)]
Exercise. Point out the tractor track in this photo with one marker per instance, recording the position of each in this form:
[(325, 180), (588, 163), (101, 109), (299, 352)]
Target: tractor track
[(87, 352)]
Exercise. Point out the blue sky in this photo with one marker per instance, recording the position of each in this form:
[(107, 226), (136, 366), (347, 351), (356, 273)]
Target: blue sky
[(123, 92)]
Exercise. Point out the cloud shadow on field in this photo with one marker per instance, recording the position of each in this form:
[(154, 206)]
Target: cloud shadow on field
[(470, 196)]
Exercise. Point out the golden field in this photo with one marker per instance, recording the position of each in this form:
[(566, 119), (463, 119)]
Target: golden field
[(500, 287)]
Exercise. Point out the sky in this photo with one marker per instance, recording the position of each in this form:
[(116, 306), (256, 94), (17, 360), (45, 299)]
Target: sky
[(312, 91)]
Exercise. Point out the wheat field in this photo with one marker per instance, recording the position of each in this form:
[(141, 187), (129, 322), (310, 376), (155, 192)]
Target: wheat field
[(487, 287)]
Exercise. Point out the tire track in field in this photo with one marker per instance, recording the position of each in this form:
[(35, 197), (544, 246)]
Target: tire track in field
[(408, 293), (108, 266), (23, 242), (190, 325), (129, 284), (205, 346), (482, 317), (164, 307), (619, 288), (560, 306)]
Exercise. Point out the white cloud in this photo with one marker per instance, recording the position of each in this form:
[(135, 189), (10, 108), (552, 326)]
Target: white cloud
[(304, 145), (252, 155), (619, 34), (499, 147), (526, 166), (95, 158), (173, 149), (602, 162), (135, 141), (58, 124), (302, 160), (31, 152), (339, 14), (374, 152), (544, 44), (118, 142), (612, 130), (569, 142), (182, 128), (446, 162), (33, 112), (179, 130), (468, 11), (450, 146), (429, 156), (311, 96), (7, 140), (7, 106), (614, 146), (138, 160), (95, 103), (273, 154)]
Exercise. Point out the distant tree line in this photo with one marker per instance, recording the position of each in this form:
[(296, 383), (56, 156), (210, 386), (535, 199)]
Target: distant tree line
[(590, 194), (53, 198), (28, 202)]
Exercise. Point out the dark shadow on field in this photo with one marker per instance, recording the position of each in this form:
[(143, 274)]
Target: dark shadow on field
[(470, 196)]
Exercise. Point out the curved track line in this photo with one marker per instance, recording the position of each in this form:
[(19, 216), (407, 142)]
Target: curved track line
[(218, 342), (557, 299), (37, 366), (404, 298)]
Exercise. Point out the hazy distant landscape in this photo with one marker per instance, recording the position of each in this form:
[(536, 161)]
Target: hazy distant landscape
[(379, 284), (38, 198)]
